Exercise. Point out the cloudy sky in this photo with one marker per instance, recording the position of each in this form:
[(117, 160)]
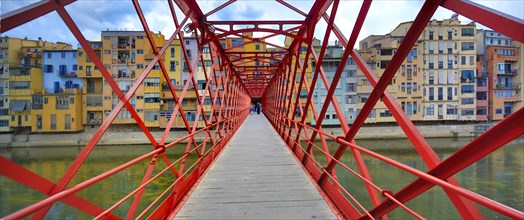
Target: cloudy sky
[(93, 16)]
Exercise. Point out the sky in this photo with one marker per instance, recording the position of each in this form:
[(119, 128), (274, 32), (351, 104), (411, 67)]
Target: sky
[(94, 16)]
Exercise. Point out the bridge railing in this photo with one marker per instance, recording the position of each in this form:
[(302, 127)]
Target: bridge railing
[(289, 113), (220, 119)]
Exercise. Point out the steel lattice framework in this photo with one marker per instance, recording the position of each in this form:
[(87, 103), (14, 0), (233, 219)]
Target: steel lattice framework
[(279, 87)]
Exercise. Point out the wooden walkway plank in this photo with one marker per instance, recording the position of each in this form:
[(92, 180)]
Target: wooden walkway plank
[(255, 177)]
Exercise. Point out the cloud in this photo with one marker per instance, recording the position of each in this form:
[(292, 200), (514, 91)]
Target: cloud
[(93, 16)]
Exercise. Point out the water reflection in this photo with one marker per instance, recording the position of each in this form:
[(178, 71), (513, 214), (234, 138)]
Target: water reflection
[(499, 176), (52, 163)]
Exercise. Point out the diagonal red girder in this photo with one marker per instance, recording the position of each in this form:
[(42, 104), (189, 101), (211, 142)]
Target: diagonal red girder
[(230, 84)]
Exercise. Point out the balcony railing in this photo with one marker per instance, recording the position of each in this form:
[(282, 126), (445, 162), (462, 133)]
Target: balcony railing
[(68, 74), (512, 86), (38, 106), (507, 72), (94, 101)]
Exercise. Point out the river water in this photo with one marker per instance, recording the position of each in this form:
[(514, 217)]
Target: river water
[(499, 176)]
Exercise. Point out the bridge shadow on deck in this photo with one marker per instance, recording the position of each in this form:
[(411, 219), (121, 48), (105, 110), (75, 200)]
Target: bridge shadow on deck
[(255, 177)]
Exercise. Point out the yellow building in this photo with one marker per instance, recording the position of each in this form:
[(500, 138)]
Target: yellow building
[(377, 51), (20, 75), (57, 106), (449, 70), (92, 86), (57, 112), (308, 76), (23, 81), (436, 81), (125, 54), (181, 76)]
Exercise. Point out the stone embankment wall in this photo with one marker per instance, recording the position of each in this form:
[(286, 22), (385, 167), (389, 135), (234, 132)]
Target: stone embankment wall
[(81, 138), (428, 131), (133, 137)]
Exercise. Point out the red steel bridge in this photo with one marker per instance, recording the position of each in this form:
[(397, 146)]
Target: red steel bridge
[(235, 86)]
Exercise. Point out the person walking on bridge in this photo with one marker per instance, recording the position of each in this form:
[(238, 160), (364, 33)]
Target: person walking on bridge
[(258, 108)]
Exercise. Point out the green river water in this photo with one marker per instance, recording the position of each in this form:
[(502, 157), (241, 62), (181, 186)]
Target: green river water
[(499, 176)]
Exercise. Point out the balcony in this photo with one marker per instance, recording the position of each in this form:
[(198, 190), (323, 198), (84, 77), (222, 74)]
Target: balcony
[(93, 91), (66, 74), (30, 54), (94, 101), (515, 86), (507, 72), (151, 55), (37, 106), (125, 74), (70, 91), (514, 98), (482, 102)]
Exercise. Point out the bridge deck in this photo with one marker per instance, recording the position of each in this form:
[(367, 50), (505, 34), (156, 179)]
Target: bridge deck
[(256, 177)]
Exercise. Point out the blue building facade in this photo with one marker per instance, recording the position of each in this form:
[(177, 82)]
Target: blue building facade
[(59, 70), (346, 88)]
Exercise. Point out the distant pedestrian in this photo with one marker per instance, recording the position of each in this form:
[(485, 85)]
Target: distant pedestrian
[(258, 108)]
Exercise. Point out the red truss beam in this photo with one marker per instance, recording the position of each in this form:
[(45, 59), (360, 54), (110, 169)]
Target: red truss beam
[(26, 14), (231, 83), (219, 8), (292, 7), (275, 32), (280, 23)]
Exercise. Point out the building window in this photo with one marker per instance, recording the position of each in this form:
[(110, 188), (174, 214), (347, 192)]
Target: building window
[(467, 46), (467, 101), (385, 113), (431, 93), (172, 66), (463, 60), (49, 55), (48, 68), (498, 111), (172, 52), (450, 93), (63, 55), (467, 76), (467, 89), (67, 121), (53, 122), (468, 112), (451, 109), (430, 110), (237, 42), (468, 32), (431, 79), (140, 51), (383, 64)]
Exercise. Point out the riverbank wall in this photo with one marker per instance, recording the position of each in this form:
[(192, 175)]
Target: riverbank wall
[(137, 137)]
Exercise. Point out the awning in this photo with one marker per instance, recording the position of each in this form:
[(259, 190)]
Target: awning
[(18, 105)]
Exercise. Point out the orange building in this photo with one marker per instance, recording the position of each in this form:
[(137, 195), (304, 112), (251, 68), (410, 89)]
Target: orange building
[(504, 81)]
